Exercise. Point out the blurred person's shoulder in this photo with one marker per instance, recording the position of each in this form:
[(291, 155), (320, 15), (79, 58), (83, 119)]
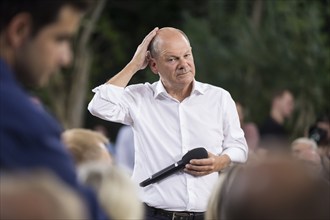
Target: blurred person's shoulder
[(23, 119)]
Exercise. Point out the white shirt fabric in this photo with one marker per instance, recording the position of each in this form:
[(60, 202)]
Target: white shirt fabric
[(165, 129)]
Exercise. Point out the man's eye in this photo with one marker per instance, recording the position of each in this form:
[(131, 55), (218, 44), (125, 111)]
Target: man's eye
[(187, 55)]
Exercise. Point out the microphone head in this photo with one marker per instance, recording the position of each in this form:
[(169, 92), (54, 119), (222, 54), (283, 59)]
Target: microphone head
[(197, 153)]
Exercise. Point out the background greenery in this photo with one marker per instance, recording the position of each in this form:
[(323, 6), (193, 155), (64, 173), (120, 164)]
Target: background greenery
[(248, 47)]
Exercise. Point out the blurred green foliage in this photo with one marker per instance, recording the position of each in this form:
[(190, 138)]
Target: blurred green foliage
[(287, 48)]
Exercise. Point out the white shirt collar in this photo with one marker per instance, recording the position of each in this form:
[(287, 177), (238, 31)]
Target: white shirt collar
[(160, 89)]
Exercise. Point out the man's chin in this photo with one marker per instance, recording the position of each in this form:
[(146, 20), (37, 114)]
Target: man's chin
[(185, 76), (46, 78), (42, 83), (38, 82)]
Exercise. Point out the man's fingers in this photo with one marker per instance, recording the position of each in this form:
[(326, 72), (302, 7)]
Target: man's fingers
[(207, 161), (150, 36), (197, 173), (198, 168)]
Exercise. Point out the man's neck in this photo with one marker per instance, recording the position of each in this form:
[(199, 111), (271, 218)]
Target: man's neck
[(180, 93)]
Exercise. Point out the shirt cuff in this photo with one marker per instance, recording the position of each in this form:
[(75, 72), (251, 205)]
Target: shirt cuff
[(236, 155)]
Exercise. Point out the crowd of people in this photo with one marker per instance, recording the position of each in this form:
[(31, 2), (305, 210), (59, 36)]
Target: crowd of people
[(248, 172)]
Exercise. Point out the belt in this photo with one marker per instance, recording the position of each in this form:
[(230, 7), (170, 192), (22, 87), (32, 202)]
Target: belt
[(173, 215)]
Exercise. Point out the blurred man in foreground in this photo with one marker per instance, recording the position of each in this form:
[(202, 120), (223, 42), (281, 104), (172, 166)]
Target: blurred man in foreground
[(35, 43)]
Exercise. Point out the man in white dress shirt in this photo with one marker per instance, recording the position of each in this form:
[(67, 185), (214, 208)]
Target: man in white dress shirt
[(170, 117)]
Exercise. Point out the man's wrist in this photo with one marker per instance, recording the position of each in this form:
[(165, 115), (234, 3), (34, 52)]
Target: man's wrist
[(225, 162), (132, 67)]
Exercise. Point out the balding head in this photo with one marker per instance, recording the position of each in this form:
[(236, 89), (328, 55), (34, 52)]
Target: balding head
[(165, 35), (171, 58)]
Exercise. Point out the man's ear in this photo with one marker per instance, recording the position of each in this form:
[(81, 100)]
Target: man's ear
[(19, 29), (152, 64)]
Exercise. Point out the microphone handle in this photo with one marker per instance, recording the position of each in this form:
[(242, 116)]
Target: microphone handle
[(163, 173)]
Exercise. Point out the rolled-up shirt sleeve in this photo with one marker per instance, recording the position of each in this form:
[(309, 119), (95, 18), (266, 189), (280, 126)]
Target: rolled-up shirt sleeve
[(234, 144), (111, 103)]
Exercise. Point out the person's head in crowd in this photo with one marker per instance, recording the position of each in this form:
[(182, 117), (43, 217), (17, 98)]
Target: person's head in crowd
[(301, 145), (282, 105), (35, 42), (116, 191), (220, 192), (174, 40), (86, 145), (274, 188), (305, 150), (38, 195), (312, 161), (273, 132), (35, 36)]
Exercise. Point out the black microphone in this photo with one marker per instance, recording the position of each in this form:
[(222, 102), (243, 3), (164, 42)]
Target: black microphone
[(197, 153)]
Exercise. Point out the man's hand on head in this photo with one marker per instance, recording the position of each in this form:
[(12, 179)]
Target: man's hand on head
[(141, 57)]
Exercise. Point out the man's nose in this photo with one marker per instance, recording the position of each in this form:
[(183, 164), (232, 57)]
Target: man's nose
[(182, 63), (65, 56)]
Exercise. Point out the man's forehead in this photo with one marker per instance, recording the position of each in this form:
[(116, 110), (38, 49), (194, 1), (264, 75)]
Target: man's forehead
[(67, 12), (177, 52), (170, 36), (173, 44), (68, 21)]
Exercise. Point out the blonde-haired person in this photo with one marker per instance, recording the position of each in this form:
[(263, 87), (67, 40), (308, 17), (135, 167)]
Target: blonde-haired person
[(86, 145), (38, 194), (116, 191)]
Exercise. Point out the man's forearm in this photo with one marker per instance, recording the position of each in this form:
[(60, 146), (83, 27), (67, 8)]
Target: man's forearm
[(122, 78), (139, 61)]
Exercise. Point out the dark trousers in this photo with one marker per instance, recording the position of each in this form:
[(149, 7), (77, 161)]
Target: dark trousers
[(152, 213)]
